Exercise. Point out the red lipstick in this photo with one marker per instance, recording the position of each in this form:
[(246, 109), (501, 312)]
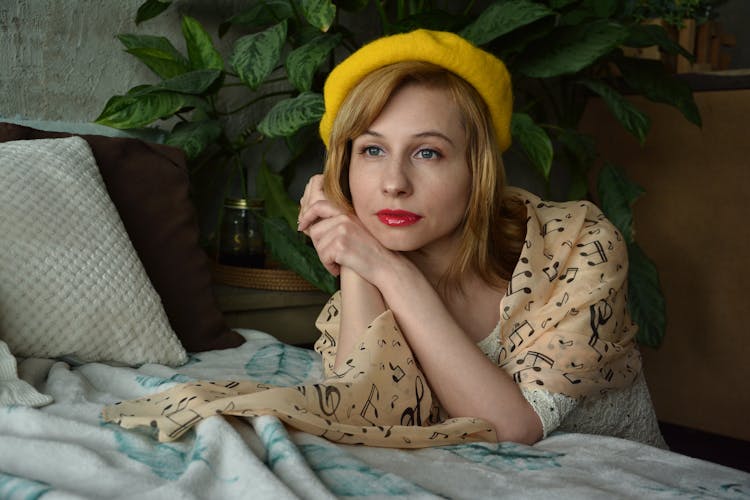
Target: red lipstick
[(398, 218)]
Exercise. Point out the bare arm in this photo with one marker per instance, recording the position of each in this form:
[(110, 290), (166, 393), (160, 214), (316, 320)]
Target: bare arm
[(464, 380)]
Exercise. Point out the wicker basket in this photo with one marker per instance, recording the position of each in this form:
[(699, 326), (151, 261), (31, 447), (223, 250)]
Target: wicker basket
[(263, 279)]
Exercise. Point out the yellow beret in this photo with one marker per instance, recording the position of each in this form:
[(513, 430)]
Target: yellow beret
[(486, 73)]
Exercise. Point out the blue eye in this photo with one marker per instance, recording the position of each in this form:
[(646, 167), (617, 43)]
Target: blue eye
[(372, 151), (427, 154)]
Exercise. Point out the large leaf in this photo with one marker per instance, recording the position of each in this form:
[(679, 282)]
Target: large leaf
[(287, 247), (200, 47), (534, 141), (263, 13), (150, 9), (648, 35), (617, 195), (290, 115), (303, 61), (572, 48), (194, 137), (270, 187), (634, 121), (157, 53), (645, 299), (133, 111), (319, 13), (651, 79), (194, 82), (503, 17), (254, 56)]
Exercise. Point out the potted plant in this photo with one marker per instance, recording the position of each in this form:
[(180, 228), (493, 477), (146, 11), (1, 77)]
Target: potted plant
[(561, 53)]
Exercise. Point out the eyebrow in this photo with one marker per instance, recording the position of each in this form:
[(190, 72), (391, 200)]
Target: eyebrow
[(426, 133)]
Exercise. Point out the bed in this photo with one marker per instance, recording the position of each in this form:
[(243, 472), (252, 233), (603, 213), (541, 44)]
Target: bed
[(119, 308)]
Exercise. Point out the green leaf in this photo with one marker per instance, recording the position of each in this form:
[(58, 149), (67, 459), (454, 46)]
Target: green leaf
[(254, 56), (150, 9), (270, 187), (290, 115), (617, 194), (157, 53), (572, 48), (648, 35), (194, 137), (534, 141), (651, 79), (634, 121), (287, 247), (319, 13), (501, 18), (302, 62), (201, 50), (263, 13), (133, 111), (194, 82), (436, 19), (645, 298)]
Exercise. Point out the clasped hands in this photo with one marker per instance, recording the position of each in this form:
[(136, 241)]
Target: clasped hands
[(338, 235)]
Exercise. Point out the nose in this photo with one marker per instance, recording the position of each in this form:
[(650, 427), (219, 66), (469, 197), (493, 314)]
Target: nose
[(395, 179)]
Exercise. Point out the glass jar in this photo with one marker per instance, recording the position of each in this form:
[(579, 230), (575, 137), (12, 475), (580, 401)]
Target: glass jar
[(241, 233)]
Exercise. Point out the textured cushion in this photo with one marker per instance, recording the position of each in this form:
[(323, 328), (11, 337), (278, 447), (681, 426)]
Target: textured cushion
[(148, 184), (13, 390), (71, 282)]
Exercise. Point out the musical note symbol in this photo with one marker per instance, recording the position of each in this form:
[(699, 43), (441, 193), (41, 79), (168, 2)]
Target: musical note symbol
[(537, 356), (611, 245), (231, 385), (564, 300), (329, 398), (571, 379), (511, 290), (528, 305), (567, 243), (607, 374), (505, 312), (551, 276), (398, 372), (393, 401), (413, 415), (565, 343), (598, 250), (524, 327), (436, 435), (573, 270), (548, 226), (332, 312), (546, 322), (370, 405), (527, 243)]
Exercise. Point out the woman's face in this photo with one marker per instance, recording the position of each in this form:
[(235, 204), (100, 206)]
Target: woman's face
[(408, 176)]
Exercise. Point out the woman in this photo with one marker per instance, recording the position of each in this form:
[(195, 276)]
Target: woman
[(514, 308)]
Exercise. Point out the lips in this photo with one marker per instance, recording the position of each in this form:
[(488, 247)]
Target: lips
[(398, 218)]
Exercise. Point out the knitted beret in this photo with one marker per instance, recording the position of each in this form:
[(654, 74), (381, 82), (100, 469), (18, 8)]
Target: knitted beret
[(486, 73)]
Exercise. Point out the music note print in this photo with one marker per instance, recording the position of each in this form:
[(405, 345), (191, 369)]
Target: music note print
[(370, 406), (597, 251), (572, 272), (513, 289), (553, 274), (516, 337), (553, 225)]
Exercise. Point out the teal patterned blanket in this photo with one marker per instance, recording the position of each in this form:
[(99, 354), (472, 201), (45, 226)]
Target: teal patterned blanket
[(65, 450)]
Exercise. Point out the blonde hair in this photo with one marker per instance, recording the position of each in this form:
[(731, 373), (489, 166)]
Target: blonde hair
[(491, 238)]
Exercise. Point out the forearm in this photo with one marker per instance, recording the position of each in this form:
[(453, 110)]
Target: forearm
[(361, 303), (465, 381)]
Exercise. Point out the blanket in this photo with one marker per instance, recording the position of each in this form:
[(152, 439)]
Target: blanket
[(67, 451)]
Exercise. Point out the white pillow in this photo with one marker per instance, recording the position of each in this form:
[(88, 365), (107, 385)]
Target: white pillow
[(13, 390), (71, 282)]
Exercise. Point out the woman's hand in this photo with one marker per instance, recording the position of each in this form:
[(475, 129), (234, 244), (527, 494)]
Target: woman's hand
[(338, 235)]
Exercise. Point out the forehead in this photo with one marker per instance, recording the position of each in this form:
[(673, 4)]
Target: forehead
[(415, 108)]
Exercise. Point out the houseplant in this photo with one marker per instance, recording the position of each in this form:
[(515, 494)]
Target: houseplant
[(561, 52)]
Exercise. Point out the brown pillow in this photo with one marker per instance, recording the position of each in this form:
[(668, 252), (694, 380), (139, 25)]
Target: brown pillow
[(148, 183)]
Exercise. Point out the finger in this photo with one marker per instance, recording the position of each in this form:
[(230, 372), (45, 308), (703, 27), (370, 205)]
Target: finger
[(321, 209)]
